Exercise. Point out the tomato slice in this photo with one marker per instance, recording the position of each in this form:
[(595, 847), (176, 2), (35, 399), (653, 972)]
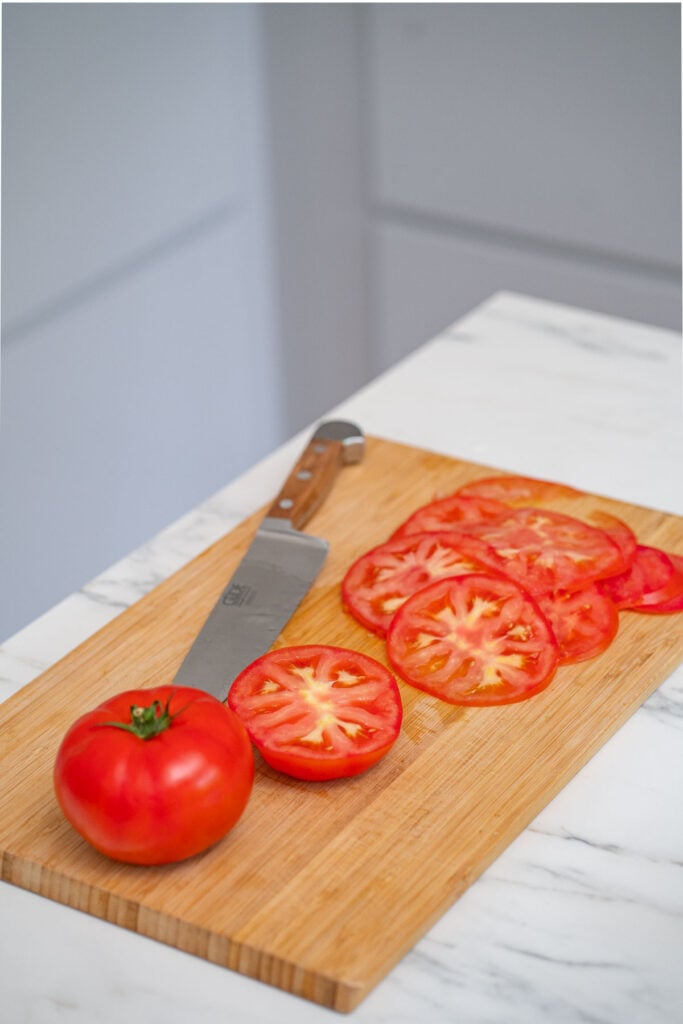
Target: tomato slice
[(654, 582), (670, 598), (644, 582), (545, 551), (584, 622), (317, 712), (617, 531), (449, 513), (518, 490), (476, 640), (381, 580)]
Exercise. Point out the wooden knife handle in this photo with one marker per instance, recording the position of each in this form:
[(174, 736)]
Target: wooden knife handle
[(333, 445)]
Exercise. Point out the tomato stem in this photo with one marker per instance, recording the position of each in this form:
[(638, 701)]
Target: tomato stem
[(147, 721)]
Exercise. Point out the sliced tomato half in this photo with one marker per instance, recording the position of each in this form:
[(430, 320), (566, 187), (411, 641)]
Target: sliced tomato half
[(518, 490), (476, 639), (584, 622), (318, 712), (381, 580), (449, 514), (545, 551)]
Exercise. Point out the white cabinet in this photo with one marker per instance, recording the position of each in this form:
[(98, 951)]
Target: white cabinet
[(533, 147)]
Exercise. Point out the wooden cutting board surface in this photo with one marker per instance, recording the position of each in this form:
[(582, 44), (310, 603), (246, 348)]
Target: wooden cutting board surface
[(321, 888)]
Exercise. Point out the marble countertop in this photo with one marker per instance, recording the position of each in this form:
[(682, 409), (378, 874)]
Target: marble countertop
[(581, 918)]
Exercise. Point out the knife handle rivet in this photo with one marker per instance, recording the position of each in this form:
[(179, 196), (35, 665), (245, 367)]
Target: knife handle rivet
[(285, 503), (304, 474), (319, 448)]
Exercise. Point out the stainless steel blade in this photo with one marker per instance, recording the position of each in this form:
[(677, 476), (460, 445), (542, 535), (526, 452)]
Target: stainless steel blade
[(267, 587), (276, 572)]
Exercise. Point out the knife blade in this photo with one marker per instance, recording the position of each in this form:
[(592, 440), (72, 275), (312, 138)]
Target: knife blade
[(277, 570)]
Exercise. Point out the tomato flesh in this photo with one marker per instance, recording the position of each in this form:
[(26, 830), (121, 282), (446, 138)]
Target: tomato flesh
[(545, 551), (518, 490), (449, 514), (654, 579), (382, 579), (157, 800), (475, 640), (584, 622), (318, 712)]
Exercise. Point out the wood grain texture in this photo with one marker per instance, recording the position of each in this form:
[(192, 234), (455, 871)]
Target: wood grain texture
[(321, 888)]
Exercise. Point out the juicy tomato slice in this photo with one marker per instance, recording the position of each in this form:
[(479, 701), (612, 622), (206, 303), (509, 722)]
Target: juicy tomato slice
[(617, 531), (450, 513), (670, 599), (654, 582), (317, 712), (381, 580), (584, 622), (518, 490), (545, 551), (644, 582), (476, 640)]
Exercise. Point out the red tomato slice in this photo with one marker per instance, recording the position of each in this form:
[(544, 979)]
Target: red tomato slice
[(654, 582), (617, 531), (381, 580), (517, 490), (317, 712), (477, 639), (670, 599), (584, 622), (449, 514), (545, 551), (644, 582)]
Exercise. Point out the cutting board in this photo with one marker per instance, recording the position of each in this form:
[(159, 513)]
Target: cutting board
[(321, 888)]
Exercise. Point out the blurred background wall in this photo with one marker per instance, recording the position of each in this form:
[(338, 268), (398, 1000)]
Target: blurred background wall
[(220, 219)]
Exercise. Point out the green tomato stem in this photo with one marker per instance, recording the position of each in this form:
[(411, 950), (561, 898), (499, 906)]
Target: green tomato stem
[(146, 722)]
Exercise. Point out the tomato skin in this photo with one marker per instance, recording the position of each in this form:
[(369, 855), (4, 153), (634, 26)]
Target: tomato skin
[(156, 800), (318, 712)]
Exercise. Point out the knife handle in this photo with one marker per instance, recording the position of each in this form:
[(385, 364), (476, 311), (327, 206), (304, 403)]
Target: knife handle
[(334, 444)]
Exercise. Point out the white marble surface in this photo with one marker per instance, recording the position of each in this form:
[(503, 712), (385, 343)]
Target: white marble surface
[(581, 919)]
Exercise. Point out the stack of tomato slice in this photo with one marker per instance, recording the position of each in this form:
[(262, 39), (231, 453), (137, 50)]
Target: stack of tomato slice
[(481, 595)]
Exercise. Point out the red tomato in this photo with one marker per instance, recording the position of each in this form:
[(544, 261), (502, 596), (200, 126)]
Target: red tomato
[(475, 639), (317, 712), (545, 551), (379, 582), (157, 799), (584, 622), (449, 514), (518, 490)]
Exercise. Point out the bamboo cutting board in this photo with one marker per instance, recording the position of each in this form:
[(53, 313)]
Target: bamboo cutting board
[(321, 888)]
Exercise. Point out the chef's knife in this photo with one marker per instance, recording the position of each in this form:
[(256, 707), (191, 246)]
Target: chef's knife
[(277, 570)]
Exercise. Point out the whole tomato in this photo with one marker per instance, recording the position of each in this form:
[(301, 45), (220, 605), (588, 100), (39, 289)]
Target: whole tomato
[(155, 776)]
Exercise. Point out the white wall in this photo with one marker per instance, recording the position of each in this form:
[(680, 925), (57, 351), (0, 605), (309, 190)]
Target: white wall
[(140, 368)]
